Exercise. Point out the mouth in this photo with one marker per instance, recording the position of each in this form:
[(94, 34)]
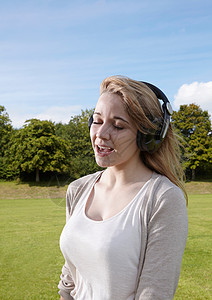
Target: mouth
[(104, 150)]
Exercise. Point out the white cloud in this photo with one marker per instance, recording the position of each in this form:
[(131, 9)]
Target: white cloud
[(54, 113), (60, 113), (199, 93)]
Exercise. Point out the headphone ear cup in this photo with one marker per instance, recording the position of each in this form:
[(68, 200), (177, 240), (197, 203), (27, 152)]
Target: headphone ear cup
[(148, 142), (144, 141), (90, 122)]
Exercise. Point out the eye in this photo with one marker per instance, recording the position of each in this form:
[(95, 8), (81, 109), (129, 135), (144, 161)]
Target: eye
[(118, 127), (96, 123)]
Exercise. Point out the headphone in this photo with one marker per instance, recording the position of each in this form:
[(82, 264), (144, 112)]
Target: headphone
[(151, 141)]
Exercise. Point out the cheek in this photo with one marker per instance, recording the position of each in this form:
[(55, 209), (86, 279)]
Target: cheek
[(92, 136), (126, 140)]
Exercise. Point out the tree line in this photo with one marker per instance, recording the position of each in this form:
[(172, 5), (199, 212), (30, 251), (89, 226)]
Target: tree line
[(43, 148)]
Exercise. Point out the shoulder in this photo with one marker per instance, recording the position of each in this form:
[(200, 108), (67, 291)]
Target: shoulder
[(82, 183), (76, 189), (166, 208), (165, 193), (164, 184)]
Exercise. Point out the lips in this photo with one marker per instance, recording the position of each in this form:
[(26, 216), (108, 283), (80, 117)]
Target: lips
[(104, 150)]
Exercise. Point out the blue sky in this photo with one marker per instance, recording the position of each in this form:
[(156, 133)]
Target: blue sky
[(54, 54)]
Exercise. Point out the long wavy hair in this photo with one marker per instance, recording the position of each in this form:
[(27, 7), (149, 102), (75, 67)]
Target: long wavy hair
[(142, 106)]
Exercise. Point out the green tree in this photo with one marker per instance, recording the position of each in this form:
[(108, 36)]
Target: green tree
[(36, 147), (76, 132), (6, 132), (5, 129), (194, 126)]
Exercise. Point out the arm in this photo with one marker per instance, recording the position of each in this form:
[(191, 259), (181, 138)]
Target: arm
[(74, 192), (167, 234), (66, 284)]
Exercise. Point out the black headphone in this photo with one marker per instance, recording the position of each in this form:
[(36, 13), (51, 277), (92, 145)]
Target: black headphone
[(150, 142)]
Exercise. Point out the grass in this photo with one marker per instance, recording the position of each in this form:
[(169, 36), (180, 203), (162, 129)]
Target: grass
[(15, 190), (30, 256), (32, 219), (196, 279)]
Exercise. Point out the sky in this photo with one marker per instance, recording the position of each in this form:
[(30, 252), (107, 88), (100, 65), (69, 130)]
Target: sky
[(54, 54)]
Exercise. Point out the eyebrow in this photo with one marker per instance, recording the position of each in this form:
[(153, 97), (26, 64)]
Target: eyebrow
[(115, 117)]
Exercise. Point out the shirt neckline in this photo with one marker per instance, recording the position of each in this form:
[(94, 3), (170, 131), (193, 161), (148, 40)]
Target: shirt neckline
[(118, 213)]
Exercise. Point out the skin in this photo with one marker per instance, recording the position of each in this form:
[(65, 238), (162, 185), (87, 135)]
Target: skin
[(113, 137), (112, 128)]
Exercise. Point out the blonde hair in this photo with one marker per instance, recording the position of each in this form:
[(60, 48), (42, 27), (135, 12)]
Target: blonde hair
[(143, 106)]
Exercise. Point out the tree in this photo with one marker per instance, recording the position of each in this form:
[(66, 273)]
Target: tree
[(6, 132), (76, 132), (36, 147), (5, 129), (194, 126)]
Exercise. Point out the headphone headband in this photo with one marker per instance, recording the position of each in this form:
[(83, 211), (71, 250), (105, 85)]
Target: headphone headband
[(160, 95)]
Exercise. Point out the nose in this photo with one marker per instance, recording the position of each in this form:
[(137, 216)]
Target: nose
[(103, 132)]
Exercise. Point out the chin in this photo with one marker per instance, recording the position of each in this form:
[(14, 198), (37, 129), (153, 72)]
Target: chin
[(104, 163)]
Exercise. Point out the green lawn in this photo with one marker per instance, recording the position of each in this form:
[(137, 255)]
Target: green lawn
[(196, 276), (31, 260)]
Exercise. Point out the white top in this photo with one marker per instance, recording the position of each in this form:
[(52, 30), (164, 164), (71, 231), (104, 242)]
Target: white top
[(162, 233), (100, 251)]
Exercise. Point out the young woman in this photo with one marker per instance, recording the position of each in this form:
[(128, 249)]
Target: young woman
[(126, 226)]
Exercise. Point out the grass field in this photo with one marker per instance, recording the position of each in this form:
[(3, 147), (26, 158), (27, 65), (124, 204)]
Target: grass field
[(32, 219)]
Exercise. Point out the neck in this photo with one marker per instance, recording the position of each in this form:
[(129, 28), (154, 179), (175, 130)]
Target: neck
[(132, 173)]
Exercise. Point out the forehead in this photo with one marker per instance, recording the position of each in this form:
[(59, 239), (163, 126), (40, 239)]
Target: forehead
[(110, 102)]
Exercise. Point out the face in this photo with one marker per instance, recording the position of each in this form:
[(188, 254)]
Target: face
[(113, 134)]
